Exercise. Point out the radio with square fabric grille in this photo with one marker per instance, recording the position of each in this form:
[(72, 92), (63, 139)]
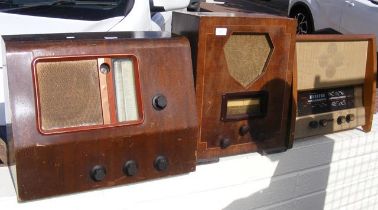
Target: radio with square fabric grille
[(93, 110), (243, 67), (336, 83)]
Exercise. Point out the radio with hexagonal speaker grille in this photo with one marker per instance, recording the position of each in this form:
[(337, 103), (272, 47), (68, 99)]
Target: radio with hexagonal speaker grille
[(243, 67), (336, 83), (95, 110)]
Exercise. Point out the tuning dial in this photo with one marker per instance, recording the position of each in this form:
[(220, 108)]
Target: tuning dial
[(341, 120), (98, 173), (313, 124), (161, 163), (350, 118), (225, 142), (130, 168), (244, 130), (323, 123), (159, 102)]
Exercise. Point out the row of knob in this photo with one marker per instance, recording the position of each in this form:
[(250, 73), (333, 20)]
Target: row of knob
[(226, 142), (324, 122), (130, 168)]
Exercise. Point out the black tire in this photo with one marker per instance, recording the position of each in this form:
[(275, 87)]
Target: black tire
[(304, 18)]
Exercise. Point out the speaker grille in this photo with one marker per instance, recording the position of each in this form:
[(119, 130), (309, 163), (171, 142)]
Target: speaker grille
[(69, 94), (325, 64), (246, 56)]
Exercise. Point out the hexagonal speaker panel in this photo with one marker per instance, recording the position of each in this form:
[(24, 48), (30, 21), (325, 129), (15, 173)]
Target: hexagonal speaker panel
[(247, 56)]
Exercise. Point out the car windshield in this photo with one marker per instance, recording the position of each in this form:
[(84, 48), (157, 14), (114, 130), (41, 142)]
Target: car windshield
[(68, 9)]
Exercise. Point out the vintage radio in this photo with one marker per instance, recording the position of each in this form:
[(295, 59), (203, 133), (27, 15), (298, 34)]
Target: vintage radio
[(336, 83), (243, 67), (94, 110)]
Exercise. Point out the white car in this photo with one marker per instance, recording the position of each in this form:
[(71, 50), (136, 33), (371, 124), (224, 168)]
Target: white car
[(344, 16), (60, 16)]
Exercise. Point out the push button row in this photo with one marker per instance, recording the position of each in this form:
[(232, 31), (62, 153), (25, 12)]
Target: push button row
[(98, 172)]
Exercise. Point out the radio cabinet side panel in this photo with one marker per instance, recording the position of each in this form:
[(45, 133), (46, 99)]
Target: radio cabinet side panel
[(56, 164), (370, 84)]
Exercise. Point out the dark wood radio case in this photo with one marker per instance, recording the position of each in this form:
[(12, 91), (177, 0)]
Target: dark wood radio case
[(243, 67), (95, 110)]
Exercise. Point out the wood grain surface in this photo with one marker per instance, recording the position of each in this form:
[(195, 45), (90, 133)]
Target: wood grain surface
[(271, 133), (48, 165)]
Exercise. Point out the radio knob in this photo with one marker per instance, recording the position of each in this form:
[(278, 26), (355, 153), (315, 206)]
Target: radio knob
[(159, 102), (224, 143), (323, 123), (313, 124), (350, 117), (244, 130), (130, 168), (161, 163), (98, 173), (341, 120)]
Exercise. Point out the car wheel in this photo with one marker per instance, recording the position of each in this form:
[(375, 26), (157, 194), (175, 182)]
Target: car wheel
[(305, 22)]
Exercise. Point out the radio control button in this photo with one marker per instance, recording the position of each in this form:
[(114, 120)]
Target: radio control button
[(130, 168), (159, 102), (350, 118), (313, 124), (104, 68), (98, 173), (224, 143), (341, 120), (323, 123), (244, 130), (161, 163)]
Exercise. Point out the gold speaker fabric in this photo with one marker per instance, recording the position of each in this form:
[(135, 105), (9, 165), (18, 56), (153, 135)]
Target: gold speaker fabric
[(246, 56), (329, 64), (69, 94)]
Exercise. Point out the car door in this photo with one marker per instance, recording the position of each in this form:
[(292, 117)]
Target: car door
[(328, 13), (359, 17)]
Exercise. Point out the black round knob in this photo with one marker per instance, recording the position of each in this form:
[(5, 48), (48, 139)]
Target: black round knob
[(350, 118), (98, 173), (341, 120), (224, 143), (159, 102), (161, 163), (244, 130), (130, 168), (313, 124), (104, 68), (323, 123)]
